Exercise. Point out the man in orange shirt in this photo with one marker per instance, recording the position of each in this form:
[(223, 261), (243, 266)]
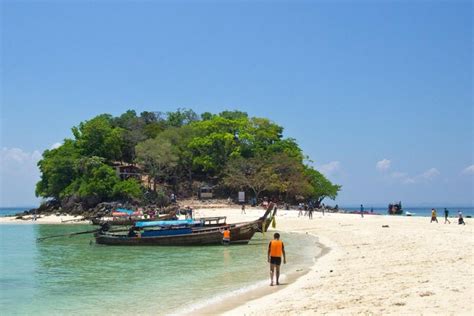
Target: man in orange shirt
[(276, 249), (226, 236)]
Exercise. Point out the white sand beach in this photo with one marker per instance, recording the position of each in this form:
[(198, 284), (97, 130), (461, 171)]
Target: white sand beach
[(410, 267), (43, 219)]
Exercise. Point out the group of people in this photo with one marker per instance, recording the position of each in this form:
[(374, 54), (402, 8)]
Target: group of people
[(308, 209), (434, 217)]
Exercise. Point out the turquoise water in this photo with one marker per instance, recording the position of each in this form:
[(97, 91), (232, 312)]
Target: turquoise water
[(9, 211), (71, 276), (419, 211)]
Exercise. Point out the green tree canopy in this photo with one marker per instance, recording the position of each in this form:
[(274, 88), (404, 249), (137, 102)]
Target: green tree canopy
[(170, 149), (252, 173), (97, 137), (321, 187), (158, 159), (58, 169)]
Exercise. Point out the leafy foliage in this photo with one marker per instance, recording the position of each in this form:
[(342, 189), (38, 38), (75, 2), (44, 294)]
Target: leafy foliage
[(321, 187), (57, 170), (177, 150), (98, 137)]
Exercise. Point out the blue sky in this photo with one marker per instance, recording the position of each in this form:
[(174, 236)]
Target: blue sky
[(378, 94)]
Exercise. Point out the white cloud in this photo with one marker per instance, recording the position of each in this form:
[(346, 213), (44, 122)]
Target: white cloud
[(330, 168), (426, 176), (468, 170), (18, 156), (18, 176), (55, 145), (398, 175), (430, 174), (383, 165)]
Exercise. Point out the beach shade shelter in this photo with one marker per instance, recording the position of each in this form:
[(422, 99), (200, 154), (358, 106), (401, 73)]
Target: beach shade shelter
[(205, 192)]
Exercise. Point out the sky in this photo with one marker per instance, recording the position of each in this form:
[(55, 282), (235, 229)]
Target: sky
[(378, 94)]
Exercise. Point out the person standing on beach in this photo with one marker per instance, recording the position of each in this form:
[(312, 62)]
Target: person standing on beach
[(433, 216), (460, 219), (362, 210), (276, 249), (310, 212), (446, 214), (243, 209)]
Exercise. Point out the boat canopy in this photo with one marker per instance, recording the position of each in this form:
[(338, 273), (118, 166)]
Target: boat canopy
[(167, 223), (123, 210)]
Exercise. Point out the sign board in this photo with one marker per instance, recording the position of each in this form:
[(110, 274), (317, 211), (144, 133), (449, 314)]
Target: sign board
[(241, 197)]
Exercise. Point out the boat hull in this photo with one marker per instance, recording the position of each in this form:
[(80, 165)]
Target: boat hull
[(240, 234)]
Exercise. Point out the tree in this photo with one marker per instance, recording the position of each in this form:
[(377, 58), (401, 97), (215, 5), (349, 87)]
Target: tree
[(179, 139), (127, 190), (234, 115), (58, 170), (321, 187), (97, 137), (251, 173), (133, 132), (95, 180), (158, 159), (289, 178), (181, 117), (206, 116), (217, 140)]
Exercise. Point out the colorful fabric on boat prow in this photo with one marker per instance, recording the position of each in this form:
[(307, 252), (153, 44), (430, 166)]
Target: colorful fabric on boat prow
[(121, 212), (183, 222)]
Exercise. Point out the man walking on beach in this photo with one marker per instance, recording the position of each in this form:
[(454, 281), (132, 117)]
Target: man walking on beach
[(276, 249), (446, 214), (433, 216)]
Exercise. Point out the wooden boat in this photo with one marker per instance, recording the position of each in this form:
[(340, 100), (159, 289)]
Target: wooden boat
[(182, 235), (123, 221), (395, 208), (240, 234)]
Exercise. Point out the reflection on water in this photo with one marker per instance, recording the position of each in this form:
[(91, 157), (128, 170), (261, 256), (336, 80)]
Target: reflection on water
[(69, 275)]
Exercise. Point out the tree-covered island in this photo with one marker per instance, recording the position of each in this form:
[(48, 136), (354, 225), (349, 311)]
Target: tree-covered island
[(142, 159)]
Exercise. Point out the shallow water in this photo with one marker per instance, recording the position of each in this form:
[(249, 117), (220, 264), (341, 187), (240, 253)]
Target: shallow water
[(72, 276)]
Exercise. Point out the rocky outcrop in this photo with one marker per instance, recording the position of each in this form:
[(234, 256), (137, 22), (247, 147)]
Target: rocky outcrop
[(72, 206)]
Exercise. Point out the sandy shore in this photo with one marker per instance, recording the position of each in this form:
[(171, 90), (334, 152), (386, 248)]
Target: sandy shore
[(49, 219), (410, 267)]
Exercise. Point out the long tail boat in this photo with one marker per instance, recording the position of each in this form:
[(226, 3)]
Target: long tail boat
[(186, 235)]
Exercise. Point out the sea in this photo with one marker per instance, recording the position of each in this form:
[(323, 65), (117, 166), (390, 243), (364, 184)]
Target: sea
[(75, 276), (416, 210)]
